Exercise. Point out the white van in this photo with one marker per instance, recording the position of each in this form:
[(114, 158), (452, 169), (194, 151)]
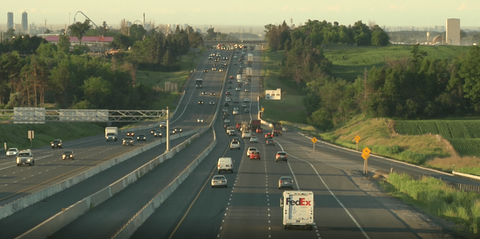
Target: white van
[(225, 164)]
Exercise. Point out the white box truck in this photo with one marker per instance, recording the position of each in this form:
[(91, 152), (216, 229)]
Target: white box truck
[(250, 58), (297, 209), (249, 72), (111, 133)]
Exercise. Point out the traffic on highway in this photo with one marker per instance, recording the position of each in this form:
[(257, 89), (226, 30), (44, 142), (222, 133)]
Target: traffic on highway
[(235, 176)]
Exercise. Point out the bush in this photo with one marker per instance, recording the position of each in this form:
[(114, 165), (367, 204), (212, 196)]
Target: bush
[(412, 157), (386, 150)]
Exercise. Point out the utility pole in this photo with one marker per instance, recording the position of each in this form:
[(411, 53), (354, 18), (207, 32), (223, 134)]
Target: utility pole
[(167, 143)]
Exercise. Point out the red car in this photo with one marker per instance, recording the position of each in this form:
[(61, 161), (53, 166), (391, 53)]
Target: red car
[(239, 125), (259, 130), (255, 155), (231, 77)]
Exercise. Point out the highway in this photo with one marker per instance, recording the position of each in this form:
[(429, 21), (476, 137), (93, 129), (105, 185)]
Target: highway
[(248, 207)]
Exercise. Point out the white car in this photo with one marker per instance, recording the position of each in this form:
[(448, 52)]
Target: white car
[(246, 100), (227, 99), (226, 121), (251, 149), (247, 90), (254, 139), (12, 152), (238, 89), (219, 181), (235, 144), (235, 112), (244, 105)]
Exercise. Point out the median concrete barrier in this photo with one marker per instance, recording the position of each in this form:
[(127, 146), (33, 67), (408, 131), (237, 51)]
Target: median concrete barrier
[(35, 197), (66, 216)]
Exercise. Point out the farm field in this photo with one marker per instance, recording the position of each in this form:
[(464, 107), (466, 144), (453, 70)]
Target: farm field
[(349, 62)]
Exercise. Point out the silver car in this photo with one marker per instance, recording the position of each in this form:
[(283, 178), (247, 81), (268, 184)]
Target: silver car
[(219, 181), (285, 182), (254, 139)]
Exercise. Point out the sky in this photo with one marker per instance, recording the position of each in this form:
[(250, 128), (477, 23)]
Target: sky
[(200, 13)]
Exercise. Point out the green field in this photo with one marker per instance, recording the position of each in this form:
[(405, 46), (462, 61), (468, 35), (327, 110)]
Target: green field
[(290, 108), (350, 61), (464, 135)]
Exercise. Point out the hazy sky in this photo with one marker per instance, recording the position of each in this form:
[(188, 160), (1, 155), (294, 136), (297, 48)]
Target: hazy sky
[(246, 12)]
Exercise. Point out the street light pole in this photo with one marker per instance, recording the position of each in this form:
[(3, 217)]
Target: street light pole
[(168, 133)]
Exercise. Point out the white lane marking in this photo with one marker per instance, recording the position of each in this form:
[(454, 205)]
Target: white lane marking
[(328, 188)]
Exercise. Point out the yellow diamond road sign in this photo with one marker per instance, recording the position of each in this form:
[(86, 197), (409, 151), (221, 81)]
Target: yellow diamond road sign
[(263, 109), (365, 156), (314, 140), (366, 151), (357, 138)]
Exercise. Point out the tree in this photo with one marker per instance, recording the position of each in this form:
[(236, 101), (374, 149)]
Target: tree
[(379, 37), (79, 29)]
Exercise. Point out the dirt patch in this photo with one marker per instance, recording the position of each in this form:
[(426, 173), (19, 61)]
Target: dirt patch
[(424, 225)]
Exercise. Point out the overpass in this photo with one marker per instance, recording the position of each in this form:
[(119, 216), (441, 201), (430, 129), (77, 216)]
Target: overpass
[(39, 115)]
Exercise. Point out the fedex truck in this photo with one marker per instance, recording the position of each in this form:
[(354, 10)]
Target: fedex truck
[(298, 208)]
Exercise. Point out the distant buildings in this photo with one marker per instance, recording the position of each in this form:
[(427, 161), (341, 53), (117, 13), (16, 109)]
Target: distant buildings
[(24, 22), (9, 20), (453, 31)]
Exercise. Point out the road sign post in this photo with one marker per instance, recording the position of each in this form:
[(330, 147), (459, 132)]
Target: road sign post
[(357, 139), (314, 140), (365, 154), (31, 136)]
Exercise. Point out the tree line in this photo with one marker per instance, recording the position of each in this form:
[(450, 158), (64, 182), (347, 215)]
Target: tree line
[(36, 73), (415, 87)]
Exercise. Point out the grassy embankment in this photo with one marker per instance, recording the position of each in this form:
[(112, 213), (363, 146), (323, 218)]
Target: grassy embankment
[(16, 134)]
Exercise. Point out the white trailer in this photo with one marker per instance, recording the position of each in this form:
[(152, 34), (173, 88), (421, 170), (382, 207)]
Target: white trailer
[(298, 208)]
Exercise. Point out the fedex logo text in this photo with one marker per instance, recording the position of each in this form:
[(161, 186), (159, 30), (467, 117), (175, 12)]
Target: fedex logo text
[(299, 202)]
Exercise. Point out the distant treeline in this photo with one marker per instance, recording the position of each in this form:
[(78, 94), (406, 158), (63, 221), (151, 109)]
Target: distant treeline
[(36, 73), (415, 87)]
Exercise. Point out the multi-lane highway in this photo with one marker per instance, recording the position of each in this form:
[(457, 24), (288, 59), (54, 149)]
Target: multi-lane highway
[(248, 207)]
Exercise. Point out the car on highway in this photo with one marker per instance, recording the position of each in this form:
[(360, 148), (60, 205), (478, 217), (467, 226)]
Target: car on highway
[(219, 181), (141, 137), (205, 70), (226, 104), (200, 102), (238, 89), (235, 144), (25, 157), (251, 149), (231, 77), (130, 133), (247, 90), (244, 105), (204, 92), (12, 152), (226, 120), (255, 155), (163, 124), (246, 110), (172, 131), (246, 100), (152, 131), (254, 139), (68, 155), (268, 135), (178, 130), (212, 102), (259, 130), (285, 182), (270, 142), (200, 120), (157, 133), (225, 109), (228, 93), (127, 141), (281, 156), (220, 70), (212, 93), (235, 112), (227, 99), (214, 69), (56, 143)]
